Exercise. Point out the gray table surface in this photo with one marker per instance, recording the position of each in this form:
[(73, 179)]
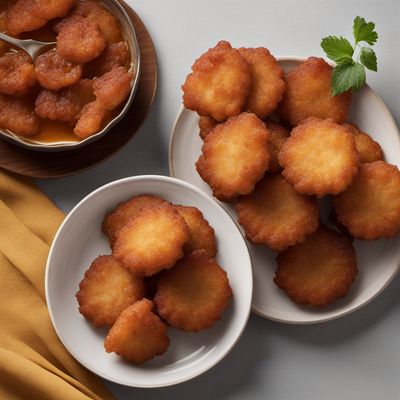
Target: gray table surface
[(356, 357)]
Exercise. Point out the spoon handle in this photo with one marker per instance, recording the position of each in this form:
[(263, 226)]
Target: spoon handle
[(12, 41)]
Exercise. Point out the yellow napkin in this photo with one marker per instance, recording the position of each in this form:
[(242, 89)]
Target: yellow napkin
[(33, 362)]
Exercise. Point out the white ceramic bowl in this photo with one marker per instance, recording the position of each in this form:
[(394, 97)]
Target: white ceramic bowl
[(80, 240), (378, 261)]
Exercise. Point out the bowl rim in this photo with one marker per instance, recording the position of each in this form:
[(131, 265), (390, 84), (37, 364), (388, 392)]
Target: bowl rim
[(207, 198)]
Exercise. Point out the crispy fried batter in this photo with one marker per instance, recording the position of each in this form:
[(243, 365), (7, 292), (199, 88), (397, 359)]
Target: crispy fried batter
[(193, 294), (370, 207), (17, 115), (17, 74), (219, 84), (319, 158), (115, 55), (65, 104), (268, 85), (368, 149), (309, 94), (151, 241), (235, 156), (279, 134), (50, 9), (54, 72), (138, 335), (116, 219), (90, 120), (276, 215), (201, 234), (318, 271), (106, 290), (79, 40), (206, 124)]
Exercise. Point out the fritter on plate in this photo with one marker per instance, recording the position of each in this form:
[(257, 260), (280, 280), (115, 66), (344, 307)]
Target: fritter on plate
[(267, 86), (370, 207), (138, 335), (193, 294), (65, 104), (235, 156), (201, 234), (115, 55), (276, 215), (17, 115), (90, 120), (54, 72), (279, 134), (151, 241), (319, 157), (369, 149), (17, 74), (219, 83), (318, 271), (106, 290), (116, 219), (206, 124), (309, 94)]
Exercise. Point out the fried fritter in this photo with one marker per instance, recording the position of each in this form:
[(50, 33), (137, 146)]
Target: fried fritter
[(279, 134), (50, 9), (309, 94), (90, 120), (151, 241), (219, 83), (65, 104), (194, 293), (116, 219), (370, 207), (115, 55), (276, 215), (17, 115), (368, 149), (235, 156), (106, 290), (79, 40), (54, 72), (138, 335), (17, 74), (268, 85), (201, 234), (206, 124), (318, 271), (319, 157)]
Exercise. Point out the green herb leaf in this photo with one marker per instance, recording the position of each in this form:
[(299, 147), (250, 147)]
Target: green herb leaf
[(338, 49), (368, 58), (347, 76), (364, 31)]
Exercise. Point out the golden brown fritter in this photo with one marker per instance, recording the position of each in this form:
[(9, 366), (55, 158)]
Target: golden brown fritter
[(206, 124), (151, 241), (17, 115), (17, 74), (318, 271), (279, 134), (368, 149), (276, 215), (138, 335), (267, 86), (106, 290), (194, 293), (235, 156), (116, 219), (79, 40), (219, 83), (370, 207), (201, 234), (65, 104), (115, 55), (50, 9), (90, 120), (54, 72), (319, 157), (309, 94)]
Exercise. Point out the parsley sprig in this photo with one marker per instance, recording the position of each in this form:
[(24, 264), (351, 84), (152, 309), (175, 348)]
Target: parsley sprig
[(349, 72)]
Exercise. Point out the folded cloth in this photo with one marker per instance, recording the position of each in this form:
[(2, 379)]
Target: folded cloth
[(33, 362)]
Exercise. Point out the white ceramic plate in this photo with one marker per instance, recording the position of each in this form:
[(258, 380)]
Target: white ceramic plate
[(378, 261), (80, 240)]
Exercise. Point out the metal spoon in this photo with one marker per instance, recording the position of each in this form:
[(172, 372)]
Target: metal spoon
[(32, 47)]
